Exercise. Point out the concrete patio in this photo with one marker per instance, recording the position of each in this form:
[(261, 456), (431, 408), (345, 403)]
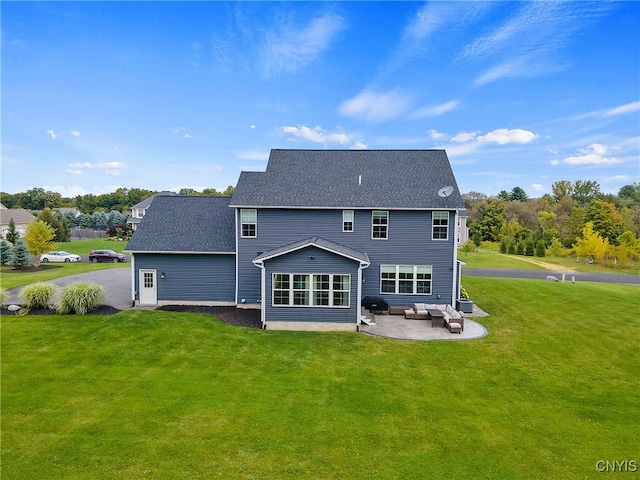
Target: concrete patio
[(396, 326)]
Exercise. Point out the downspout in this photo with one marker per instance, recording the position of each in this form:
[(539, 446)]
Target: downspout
[(455, 288), (237, 257), (263, 313), (359, 294), (133, 280)]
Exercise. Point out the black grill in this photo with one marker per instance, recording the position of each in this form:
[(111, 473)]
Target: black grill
[(375, 304)]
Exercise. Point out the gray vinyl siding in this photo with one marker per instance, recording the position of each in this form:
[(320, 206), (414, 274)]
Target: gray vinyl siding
[(409, 243), (323, 262), (194, 277)]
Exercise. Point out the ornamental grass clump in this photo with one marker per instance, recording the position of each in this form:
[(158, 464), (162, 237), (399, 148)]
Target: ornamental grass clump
[(80, 298), (37, 295)]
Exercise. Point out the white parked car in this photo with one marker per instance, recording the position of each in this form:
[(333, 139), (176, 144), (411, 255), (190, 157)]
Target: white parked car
[(60, 256)]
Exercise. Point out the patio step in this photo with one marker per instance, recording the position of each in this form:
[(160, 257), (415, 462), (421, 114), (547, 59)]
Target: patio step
[(366, 320)]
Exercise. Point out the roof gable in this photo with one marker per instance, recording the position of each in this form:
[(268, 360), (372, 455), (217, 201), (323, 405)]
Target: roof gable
[(20, 216), (188, 224), (319, 242), (350, 179)]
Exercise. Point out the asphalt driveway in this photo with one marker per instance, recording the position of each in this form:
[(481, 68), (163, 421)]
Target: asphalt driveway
[(116, 283)]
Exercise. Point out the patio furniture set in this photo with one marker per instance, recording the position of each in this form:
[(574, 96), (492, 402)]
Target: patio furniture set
[(440, 316)]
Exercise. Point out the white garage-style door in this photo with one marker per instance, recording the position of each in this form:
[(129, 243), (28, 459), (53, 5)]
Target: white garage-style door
[(148, 287)]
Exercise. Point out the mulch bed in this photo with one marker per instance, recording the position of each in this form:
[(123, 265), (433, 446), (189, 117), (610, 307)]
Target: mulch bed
[(31, 268), (237, 317)]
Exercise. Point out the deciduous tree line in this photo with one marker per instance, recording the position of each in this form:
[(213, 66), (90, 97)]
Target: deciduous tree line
[(120, 200), (576, 218)]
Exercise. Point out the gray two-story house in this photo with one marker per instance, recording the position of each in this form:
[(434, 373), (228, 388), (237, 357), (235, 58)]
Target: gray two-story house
[(308, 238)]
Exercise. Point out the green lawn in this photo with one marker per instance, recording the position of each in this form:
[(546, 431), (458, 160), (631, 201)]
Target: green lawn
[(148, 394), (492, 258), (11, 278)]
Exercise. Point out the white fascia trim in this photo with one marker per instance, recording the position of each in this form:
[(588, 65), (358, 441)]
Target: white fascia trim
[(178, 252), (293, 207)]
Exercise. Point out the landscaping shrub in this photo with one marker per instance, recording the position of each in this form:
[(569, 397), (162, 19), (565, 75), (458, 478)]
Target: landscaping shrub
[(3, 297), (37, 295), (80, 298)]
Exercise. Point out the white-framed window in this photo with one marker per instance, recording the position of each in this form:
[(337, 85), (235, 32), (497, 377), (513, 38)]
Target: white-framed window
[(311, 290), (406, 279), (249, 222), (440, 226), (347, 220), (379, 224)]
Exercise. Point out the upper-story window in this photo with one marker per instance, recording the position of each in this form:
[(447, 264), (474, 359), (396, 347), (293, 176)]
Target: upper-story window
[(249, 222), (440, 226), (347, 220), (380, 224)]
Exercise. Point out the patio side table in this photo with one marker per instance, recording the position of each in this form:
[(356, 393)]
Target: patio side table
[(436, 316)]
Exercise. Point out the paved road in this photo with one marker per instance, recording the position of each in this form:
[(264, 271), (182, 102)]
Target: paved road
[(542, 274), (116, 283)]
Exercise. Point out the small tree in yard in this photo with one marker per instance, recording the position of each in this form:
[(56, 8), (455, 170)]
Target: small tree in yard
[(19, 256), (5, 252), (39, 236), (12, 233), (591, 245)]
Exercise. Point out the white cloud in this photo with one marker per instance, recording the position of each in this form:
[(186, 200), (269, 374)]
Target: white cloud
[(75, 133), (464, 137), (286, 48), (502, 136), (594, 154), (437, 110), (375, 106), (112, 169), (187, 135), (436, 135), (537, 187), (528, 43), (252, 155), (359, 146), (316, 135), (623, 109), (52, 134), (252, 126)]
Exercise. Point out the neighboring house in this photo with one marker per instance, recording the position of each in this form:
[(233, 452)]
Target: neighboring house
[(21, 218), (308, 238), (139, 210), (463, 230), (68, 210)]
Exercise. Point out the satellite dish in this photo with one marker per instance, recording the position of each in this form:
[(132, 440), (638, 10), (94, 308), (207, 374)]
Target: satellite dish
[(444, 192)]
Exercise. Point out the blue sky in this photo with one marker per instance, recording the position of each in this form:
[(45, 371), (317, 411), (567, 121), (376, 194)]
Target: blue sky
[(164, 95)]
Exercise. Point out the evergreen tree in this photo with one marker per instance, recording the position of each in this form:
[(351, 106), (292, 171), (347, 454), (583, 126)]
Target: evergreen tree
[(541, 249), (5, 252), (12, 233), (19, 257)]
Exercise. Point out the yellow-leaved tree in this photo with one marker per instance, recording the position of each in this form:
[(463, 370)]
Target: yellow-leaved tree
[(591, 245), (38, 239)]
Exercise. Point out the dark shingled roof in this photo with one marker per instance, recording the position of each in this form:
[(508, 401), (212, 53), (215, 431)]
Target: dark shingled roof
[(350, 179), (319, 242), (184, 223)]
